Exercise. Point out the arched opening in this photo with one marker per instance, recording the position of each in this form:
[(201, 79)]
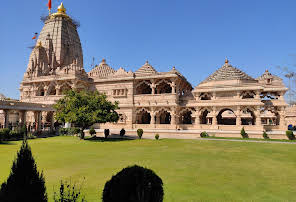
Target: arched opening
[(41, 91), (65, 88), (204, 119), (270, 118), (226, 117), (143, 88), (163, 117), (52, 90), (248, 117), (143, 117), (163, 87), (248, 95), (205, 96), (186, 117)]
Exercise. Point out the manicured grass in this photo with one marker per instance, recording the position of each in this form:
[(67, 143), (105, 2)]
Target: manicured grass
[(192, 170), (248, 139)]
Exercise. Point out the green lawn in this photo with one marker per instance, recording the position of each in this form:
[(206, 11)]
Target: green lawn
[(192, 170)]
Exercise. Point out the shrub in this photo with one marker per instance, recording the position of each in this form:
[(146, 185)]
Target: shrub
[(63, 131), (24, 183), (23, 130), (122, 132), (5, 132), (157, 136), (68, 192), (140, 133), (265, 135), (134, 184), (92, 131), (204, 134), (106, 133), (76, 131), (14, 134), (290, 135), (244, 134)]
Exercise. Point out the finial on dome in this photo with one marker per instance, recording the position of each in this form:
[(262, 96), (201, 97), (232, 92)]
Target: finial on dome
[(226, 61), (62, 9), (104, 61), (147, 62)]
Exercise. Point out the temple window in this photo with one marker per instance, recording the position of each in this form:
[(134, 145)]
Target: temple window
[(41, 91), (122, 118), (52, 91), (143, 88), (247, 117), (119, 92), (269, 96), (163, 117), (248, 95)]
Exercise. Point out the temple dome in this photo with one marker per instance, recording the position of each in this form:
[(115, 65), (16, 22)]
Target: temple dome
[(146, 69), (228, 72), (102, 70)]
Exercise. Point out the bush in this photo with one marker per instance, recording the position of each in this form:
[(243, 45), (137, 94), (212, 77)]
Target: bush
[(14, 134), (265, 135), (244, 134), (24, 183), (5, 132), (63, 131), (157, 136), (23, 130), (92, 131), (204, 134), (140, 133), (134, 184), (122, 132), (76, 131), (290, 135), (68, 192), (106, 133)]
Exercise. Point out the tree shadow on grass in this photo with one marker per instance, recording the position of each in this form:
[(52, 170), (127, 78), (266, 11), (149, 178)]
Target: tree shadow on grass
[(7, 143), (111, 138)]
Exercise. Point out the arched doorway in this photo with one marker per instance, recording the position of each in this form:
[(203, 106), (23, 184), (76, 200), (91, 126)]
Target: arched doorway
[(226, 117), (204, 119), (248, 117), (143, 117), (185, 117), (143, 88), (163, 87), (163, 117)]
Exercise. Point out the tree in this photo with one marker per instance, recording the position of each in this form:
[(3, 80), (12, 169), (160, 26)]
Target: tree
[(68, 192), (24, 183), (85, 108), (134, 184)]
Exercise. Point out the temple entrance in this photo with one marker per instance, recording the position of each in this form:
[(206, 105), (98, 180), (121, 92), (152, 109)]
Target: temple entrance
[(204, 118), (143, 117), (226, 117), (163, 117), (143, 88), (186, 117)]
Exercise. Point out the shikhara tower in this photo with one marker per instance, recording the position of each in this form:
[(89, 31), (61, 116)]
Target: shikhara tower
[(227, 100), (56, 62)]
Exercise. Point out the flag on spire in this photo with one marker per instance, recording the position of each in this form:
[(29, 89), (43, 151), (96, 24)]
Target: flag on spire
[(35, 35), (49, 5)]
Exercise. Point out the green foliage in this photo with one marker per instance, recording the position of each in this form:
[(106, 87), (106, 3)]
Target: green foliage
[(204, 134), (5, 133), (134, 184), (15, 134), (243, 133), (140, 133), (24, 183), (63, 131), (290, 135), (106, 133), (92, 131), (122, 132), (157, 136), (74, 131), (68, 192), (265, 135), (85, 108)]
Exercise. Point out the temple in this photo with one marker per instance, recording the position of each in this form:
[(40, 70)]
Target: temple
[(227, 100)]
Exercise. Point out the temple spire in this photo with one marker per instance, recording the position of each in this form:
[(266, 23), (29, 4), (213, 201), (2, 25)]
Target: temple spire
[(226, 60), (62, 9)]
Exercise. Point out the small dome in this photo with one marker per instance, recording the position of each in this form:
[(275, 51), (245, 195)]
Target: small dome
[(102, 70), (146, 69), (227, 72), (2, 97)]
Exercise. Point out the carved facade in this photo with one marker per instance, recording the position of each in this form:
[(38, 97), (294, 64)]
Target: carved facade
[(228, 99)]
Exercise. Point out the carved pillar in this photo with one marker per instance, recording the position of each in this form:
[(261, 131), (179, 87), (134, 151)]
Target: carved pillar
[(6, 118), (214, 121), (22, 117), (52, 121), (157, 118), (238, 116), (152, 118), (173, 116), (197, 119), (173, 85), (37, 116)]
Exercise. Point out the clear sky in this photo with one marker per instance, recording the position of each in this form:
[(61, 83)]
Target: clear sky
[(193, 35)]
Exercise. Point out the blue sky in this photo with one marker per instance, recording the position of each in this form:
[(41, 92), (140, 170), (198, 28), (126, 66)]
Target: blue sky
[(193, 35)]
